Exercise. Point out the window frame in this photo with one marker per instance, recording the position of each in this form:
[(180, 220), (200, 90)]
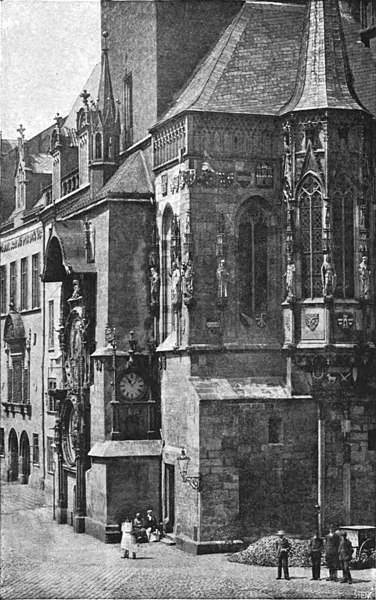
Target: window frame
[(13, 282), (36, 454), (311, 268), (3, 289), (24, 273), (35, 282), (51, 323)]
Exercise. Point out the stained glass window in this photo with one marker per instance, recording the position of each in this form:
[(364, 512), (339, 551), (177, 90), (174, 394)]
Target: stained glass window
[(343, 241)]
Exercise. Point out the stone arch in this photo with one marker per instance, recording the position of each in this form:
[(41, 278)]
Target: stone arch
[(24, 459), (12, 456)]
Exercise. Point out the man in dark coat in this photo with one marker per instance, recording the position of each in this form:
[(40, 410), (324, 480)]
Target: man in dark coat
[(332, 541), (283, 548), (345, 552), (315, 547)]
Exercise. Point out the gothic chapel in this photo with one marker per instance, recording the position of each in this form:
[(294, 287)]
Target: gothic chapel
[(204, 219)]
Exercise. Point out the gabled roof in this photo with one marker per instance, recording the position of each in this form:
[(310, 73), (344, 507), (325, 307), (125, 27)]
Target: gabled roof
[(253, 68), (132, 178)]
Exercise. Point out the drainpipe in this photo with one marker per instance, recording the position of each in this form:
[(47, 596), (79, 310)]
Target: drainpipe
[(43, 359)]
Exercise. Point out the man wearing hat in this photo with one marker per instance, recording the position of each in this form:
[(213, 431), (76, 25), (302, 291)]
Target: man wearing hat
[(345, 552), (283, 548)]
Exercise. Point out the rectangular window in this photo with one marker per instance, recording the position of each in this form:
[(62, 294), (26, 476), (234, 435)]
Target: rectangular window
[(13, 283), (35, 284), (275, 429), (24, 283), (2, 445), (51, 328), (50, 455), (128, 108), (51, 407), (3, 288), (35, 449)]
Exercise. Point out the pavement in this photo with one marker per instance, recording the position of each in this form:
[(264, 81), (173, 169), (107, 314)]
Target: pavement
[(41, 560)]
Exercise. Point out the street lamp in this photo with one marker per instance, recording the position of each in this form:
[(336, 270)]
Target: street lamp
[(183, 462)]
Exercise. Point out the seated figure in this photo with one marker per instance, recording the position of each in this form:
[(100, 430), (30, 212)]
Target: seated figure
[(139, 530), (151, 527)]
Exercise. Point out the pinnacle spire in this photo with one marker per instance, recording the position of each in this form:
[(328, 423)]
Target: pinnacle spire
[(324, 79), (106, 102)]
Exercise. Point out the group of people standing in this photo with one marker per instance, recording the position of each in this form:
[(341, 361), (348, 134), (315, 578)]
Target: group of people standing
[(338, 553), (137, 532)]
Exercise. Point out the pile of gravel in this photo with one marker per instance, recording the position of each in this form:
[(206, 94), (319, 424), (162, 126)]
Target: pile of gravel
[(263, 553)]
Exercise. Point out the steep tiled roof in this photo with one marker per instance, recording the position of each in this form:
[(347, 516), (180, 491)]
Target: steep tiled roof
[(253, 67), (92, 87), (324, 78), (132, 177)]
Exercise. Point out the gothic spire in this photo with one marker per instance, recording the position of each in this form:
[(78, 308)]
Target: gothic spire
[(106, 102), (324, 79)]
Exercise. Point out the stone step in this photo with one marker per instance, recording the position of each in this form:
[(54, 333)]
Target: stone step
[(168, 540)]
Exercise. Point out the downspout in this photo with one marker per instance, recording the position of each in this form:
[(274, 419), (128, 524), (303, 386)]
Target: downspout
[(43, 359)]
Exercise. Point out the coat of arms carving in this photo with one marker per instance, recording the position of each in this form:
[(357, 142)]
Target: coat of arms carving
[(312, 320)]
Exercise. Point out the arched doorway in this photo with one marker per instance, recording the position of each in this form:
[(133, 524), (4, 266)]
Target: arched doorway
[(13, 456), (24, 458)]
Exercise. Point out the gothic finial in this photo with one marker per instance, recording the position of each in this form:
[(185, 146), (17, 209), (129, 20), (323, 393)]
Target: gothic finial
[(58, 120), (105, 35), (85, 95), (21, 131)]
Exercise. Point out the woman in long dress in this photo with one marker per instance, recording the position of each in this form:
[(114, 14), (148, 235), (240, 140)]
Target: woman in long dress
[(128, 543)]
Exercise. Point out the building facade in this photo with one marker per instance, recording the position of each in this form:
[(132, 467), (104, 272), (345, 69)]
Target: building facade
[(208, 241)]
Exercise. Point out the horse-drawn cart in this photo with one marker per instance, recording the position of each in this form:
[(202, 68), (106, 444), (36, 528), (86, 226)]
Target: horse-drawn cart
[(363, 539)]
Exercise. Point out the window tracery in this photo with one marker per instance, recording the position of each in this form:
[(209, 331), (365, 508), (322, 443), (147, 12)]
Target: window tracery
[(311, 208)]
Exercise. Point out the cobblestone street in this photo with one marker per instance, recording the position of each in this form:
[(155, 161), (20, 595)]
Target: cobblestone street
[(41, 559)]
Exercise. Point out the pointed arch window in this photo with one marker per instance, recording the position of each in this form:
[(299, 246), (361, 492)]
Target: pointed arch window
[(343, 239), (311, 210), (98, 146), (166, 270), (252, 260)]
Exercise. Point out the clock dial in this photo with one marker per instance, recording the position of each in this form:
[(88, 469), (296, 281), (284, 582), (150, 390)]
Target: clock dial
[(132, 386)]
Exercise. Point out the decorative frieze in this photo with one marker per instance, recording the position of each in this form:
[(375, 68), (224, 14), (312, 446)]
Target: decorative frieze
[(169, 143)]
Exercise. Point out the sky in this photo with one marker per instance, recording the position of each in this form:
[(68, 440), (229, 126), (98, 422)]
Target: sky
[(48, 50)]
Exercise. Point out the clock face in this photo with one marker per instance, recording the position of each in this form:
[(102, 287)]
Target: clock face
[(132, 386)]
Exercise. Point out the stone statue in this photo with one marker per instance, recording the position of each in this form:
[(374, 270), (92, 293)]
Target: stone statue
[(76, 290), (222, 279), (188, 283), (154, 287), (328, 277), (290, 278), (364, 276), (175, 285)]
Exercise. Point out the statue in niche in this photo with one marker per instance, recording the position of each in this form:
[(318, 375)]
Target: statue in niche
[(154, 287), (76, 290), (175, 285), (188, 283), (290, 279), (364, 276), (222, 279), (328, 277)]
